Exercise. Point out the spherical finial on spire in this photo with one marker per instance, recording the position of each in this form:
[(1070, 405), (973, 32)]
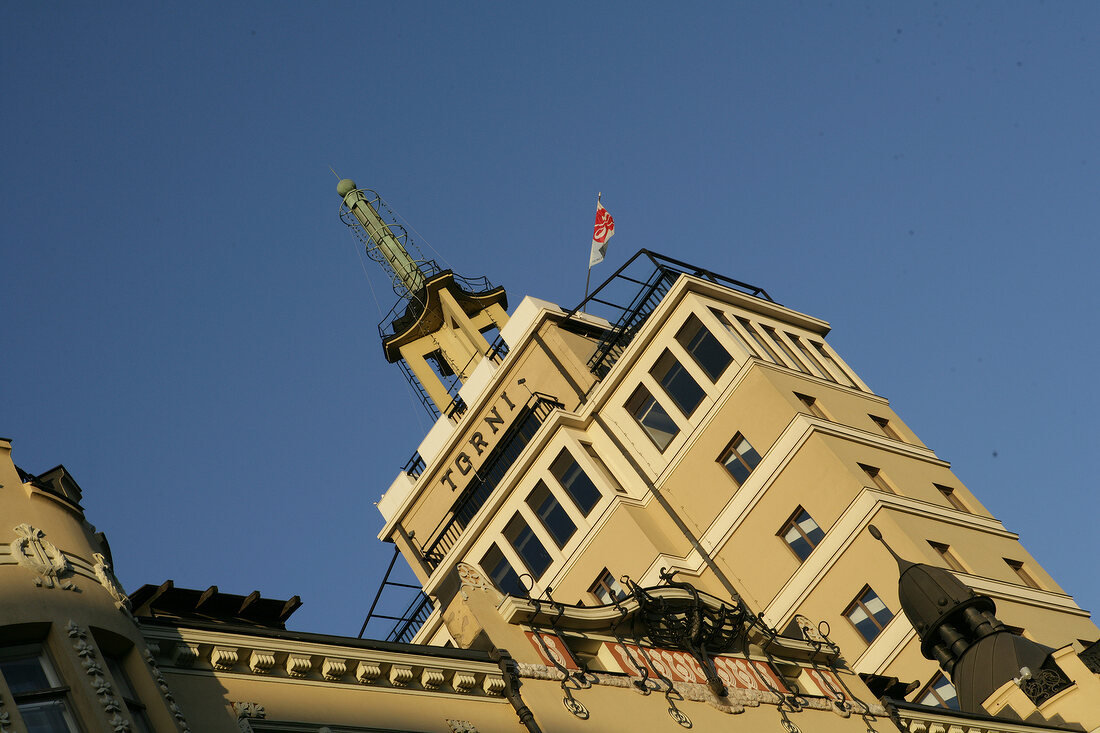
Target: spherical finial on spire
[(345, 187)]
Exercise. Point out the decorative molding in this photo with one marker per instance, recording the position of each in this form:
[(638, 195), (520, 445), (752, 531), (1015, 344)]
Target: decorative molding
[(252, 710), (261, 662), (33, 551), (461, 726), (333, 668), (368, 672), (493, 685), (173, 708), (103, 690), (223, 658), (432, 678), (184, 654), (298, 665), (471, 577), (107, 579), (463, 681), (400, 675), (5, 718)]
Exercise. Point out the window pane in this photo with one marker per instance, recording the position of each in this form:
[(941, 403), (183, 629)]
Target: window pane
[(24, 673), (575, 482), (47, 716), (500, 570), (652, 417), (707, 351), (740, 458), (527, 546), (798, 543), (678, 384), (551, 514)]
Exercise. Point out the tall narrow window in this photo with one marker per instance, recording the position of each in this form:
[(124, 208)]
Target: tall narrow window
[(950, 559), (868, 614), (527, 546), (768, 352), (795, 363), (706, 350), (939, 693), (607, 589), (126, 691), (732, 330), (677, 383), (811, 405), (811, 361), (552, 515), (801, 533), (608, 476), (886, 428), (1021, 572), (739, 458), (575, 482), (838, 370), (40, 697), (652, 418), (877, 478), (500, 570), (952, 497)]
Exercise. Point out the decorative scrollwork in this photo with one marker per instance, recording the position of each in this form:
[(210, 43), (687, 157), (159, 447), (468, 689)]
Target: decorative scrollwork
[(574, 706), (1045, 683), (1090, 657), (680, 717)]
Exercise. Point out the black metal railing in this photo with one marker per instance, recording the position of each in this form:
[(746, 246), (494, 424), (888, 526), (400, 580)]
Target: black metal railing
[(486, 478), (408, 622), (414, 617), (641, 283), (414, 466)]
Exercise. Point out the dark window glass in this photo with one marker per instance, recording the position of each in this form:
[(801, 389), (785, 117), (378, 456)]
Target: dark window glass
[(652, 417), (869, 614), (739, 458), (500, 570), (801, 533), (607, 588), (552, 515), (939, 693), (706, 350), (39, 695), (677, 383), (527, 546), (778, 341), (761, 344), (126, 692), (575, 482)]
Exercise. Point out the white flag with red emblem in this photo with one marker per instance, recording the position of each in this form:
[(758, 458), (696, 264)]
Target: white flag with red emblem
[(603, 231)]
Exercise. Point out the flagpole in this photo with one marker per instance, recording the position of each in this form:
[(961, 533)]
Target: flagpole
[(588, 277)]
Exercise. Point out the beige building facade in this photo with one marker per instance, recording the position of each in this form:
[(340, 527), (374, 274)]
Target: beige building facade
[(650, 512)]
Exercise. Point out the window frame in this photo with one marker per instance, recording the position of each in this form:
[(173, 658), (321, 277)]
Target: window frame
[(506, 578), (884, 426), (1022, 573), (949, 556), (859, 602), (674, 379), (952, 497), (793, 522), (601, 581), (57, 693), (811, 405), (654, 407), (731, 450), (930, 689), (878, 478), (702, 341)]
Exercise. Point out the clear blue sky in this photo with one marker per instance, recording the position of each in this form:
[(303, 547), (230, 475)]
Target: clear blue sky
[(188, 328)]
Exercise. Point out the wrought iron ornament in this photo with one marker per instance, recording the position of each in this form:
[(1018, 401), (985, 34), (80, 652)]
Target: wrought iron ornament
[(680, 717)]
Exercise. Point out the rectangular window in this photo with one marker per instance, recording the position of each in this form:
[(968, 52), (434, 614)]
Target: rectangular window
[(1021, 572), (887, 429), (552, 515), (706, 350), (40, 697), (801, 533), (500, 570), (652, 417), (811, 405), (575, 482), (732, 330), (608, 476), (836, 368), (677, 383), (527, 546), (877, 478), (811, 361), (607, 588), (739, 458), (795, 363), (868, 614), (939, 693), (952, 498), (764, 348), (126, 691), (948, 556)]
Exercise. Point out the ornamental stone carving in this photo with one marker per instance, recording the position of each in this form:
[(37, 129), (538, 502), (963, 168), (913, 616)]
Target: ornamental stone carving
[(431, 679), (461, 726), (261, 662), (400, 675), (493, 685), (368, 672), (173, 708), (252, 710), (184, 654), (463, 681), (103, 690), (108, 580), (333, 669), (5, 718), (33, 551), (298, 665), (223, 658)]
